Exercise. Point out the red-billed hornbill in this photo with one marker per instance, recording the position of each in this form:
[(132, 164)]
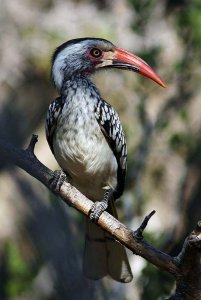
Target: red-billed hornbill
[(86, 137)]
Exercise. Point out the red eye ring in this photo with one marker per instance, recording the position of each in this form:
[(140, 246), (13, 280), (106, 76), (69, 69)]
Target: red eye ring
[(95, 52)]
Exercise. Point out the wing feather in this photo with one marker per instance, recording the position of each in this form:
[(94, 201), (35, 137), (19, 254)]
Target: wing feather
[(53, 113), (111, 127)]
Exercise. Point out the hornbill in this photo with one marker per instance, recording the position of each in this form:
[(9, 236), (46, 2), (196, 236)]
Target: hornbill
[(87, 139)]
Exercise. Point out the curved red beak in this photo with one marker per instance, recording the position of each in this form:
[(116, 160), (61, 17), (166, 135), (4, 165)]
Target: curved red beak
[(125, 60)]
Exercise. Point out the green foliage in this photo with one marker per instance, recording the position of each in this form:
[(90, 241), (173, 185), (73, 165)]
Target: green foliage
[(19, 271), (189, 20), (163, 124), (155, 283), (184, 116), (195, 154), (181, 142), (151, 56), (143, 11), (157, 176)]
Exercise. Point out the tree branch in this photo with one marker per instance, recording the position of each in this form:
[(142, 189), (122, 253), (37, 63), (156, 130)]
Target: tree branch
[(185, 267)]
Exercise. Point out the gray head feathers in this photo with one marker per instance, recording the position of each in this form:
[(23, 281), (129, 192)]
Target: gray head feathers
[(71, 58)]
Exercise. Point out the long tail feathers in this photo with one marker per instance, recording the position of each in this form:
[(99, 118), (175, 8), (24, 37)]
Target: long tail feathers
[(103, 255)]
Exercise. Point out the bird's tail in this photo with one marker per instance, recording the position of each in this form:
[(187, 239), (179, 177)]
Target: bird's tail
[(103, 255)]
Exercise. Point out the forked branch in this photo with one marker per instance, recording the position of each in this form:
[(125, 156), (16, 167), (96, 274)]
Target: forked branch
[(186, 267)]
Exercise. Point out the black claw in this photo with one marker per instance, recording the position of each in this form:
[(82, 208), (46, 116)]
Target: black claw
[(99, 207), (96, 211), (57, 180)]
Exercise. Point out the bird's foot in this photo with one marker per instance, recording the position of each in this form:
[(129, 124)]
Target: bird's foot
[(99, 207), (57, 180)]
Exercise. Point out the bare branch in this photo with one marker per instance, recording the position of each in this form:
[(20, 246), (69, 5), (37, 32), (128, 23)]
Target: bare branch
[(185, 267)]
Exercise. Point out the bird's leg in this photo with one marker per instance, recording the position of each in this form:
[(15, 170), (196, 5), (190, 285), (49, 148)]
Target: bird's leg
[(57, 180), (99, 207)]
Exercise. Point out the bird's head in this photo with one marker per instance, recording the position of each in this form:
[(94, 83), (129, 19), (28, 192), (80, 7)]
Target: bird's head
[(86, 55)]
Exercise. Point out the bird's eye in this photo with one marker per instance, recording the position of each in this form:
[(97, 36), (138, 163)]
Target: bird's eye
[(95, 52)]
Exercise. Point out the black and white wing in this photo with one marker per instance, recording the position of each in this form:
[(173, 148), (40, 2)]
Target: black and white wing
[(53, 113), (111, 127)]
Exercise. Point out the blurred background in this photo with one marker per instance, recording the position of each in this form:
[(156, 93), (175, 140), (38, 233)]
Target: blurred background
[(41, 239)]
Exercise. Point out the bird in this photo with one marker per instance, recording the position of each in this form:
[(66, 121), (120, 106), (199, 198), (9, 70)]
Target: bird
[(85, 135)]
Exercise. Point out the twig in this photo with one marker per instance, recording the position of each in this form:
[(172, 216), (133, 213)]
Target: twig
[(32, 143), (138, 233)]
